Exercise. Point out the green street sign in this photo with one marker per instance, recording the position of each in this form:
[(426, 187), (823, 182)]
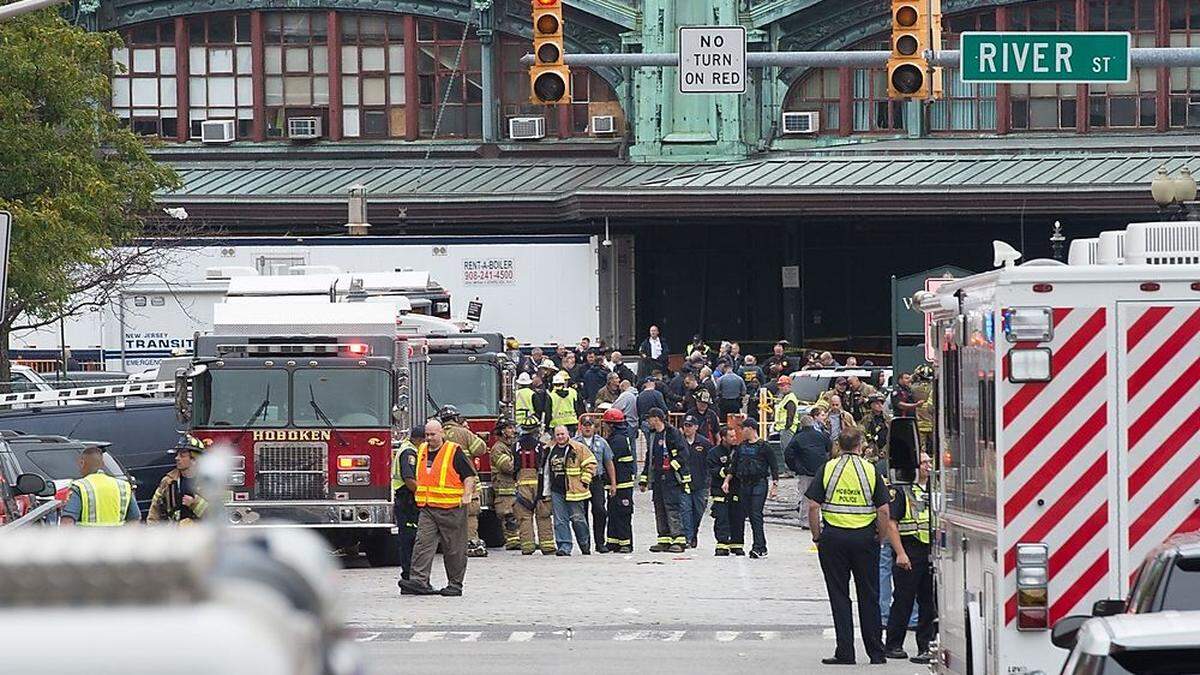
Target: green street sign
[(1063, 58)]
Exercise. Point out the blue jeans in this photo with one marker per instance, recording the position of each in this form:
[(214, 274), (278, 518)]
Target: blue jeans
[(887, 558), (691, 511), (570, 516)]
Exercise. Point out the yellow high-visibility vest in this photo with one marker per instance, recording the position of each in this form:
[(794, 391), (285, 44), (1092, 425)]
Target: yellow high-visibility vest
[(103, 500), (781, 413), (915, 522), (562, 408), (849, 483), (397, 476), (524, 413)]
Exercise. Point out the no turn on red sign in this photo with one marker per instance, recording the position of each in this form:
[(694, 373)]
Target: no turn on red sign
[(712, 59)]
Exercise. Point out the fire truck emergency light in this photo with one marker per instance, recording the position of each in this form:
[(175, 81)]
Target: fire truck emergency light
[(1029, 365), (357, 348), (354, 462), (1028, 324), (1033, 587)]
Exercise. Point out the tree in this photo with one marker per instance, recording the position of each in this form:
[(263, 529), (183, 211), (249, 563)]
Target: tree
[(78, 183)]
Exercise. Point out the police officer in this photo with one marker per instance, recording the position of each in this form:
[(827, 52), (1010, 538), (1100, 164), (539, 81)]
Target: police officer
[(666, 472), (910, 510), (723, 501), (458, 433), (698, 449), (753, 464), (849, 515), (565, 404), (97, 499), (532, 505), (787, 411), (504, 480), (404, 501), (175, 499), (620, 504)]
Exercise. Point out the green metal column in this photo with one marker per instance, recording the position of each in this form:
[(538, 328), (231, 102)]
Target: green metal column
[(671, 126)]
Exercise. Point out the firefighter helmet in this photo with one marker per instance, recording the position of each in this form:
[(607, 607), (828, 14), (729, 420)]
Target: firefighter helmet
[(188, 442), (923, 372), (561, 378), (448, 413), (613, 416)]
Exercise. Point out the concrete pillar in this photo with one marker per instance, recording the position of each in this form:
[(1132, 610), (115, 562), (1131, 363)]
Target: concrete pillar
[(670, 125)]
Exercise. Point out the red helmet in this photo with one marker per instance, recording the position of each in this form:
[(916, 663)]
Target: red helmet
[(613, 415)]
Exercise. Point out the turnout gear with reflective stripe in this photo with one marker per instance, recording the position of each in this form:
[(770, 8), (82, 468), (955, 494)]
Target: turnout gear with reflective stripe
[(915, 522), (667, 461), (781, 413), (620, 505), (563, 407), (849, 483), (439, 485), (103, 500), (504, 470), (525, 414), (167, 502), (577, 469)]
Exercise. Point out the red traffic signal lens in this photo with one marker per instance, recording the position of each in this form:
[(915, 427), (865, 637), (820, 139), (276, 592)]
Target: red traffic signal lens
[(908, 79), (547, 24), (907, 45), (549, 53), (549, 87), (906, 16)]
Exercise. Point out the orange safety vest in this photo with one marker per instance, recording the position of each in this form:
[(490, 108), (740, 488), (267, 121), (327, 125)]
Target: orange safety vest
[(439, 486)]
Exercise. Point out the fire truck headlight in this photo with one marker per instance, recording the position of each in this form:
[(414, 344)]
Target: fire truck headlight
[(1029, 365), (354, 478), (237, 478), (354, 462), (1028, 324)]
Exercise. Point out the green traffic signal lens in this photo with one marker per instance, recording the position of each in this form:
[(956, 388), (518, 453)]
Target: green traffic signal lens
[(908, 79)]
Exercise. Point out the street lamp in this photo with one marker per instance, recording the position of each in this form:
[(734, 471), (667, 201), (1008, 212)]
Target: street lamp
[(1173, 192)]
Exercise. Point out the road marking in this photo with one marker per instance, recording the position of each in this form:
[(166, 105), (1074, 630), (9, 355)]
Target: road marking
[(428, 636), (521, 636), (829, 634), (467, 636), (367, 637), (675, 636), (727, 635), (768, 634)]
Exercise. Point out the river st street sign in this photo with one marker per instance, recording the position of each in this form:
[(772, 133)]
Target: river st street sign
[(712, 59), (1063, 58)]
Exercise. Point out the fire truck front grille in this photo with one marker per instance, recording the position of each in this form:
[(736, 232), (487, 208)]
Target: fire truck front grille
[(290, 470)]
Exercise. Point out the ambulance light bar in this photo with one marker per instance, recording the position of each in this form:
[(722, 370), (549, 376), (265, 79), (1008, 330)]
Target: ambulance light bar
[(1028, 324), (1033, 582), (1029, 365), (356, 348)]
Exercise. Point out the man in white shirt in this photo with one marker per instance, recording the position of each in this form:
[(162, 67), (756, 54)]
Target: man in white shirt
[(654, 353)]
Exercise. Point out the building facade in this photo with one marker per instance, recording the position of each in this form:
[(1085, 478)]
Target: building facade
[(414, 101)]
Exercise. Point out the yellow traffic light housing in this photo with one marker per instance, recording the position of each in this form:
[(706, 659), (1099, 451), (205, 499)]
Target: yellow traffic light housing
[(916, 30), (549, 76)]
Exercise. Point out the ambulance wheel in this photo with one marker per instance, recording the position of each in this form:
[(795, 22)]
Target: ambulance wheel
[(383, 550), (490, 529)]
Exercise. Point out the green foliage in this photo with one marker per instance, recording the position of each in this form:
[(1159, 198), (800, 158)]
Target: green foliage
[(76, 182)]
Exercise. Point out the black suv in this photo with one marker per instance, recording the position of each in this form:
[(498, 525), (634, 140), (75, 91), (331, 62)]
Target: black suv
[(55, 458), (1169, 579)]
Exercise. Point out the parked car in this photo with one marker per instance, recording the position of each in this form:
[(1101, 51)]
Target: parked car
[(1169, 579), (18, 489), (1162, 643), (55, 458)]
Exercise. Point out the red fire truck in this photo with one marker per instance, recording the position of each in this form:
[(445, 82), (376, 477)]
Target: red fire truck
[(1069, 417), (310, 400)]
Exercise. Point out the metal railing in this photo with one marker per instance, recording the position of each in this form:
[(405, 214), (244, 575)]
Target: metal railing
[(37, 515)]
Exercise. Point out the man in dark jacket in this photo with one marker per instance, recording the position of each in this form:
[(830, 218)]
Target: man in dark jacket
[(709, 421), (666, 472), (806, 454), (594, 377)]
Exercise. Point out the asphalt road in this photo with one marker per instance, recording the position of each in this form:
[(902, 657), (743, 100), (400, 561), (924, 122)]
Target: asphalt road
[(685, 613)]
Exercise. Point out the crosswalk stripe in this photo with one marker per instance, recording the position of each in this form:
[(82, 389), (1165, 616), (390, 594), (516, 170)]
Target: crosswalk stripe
[(521, 636)]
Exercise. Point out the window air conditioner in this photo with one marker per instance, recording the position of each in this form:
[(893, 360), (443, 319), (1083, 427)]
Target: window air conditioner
[(603, 124), (801, 122), (217, 131), (526, 128), (304, 128)]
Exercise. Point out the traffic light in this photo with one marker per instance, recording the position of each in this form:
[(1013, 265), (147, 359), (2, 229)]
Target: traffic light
[(916, 29), (549, 77)]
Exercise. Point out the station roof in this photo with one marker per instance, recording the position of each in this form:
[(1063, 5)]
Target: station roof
[(1056, 176)]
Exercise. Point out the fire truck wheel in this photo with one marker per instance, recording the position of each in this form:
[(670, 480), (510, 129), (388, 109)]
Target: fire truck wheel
[(490, 529), (383, 550)]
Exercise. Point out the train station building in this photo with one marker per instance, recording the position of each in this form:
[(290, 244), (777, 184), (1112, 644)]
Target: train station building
[(706, 199)]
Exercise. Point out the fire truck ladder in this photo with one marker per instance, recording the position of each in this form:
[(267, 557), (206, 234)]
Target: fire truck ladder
[(62, 396)]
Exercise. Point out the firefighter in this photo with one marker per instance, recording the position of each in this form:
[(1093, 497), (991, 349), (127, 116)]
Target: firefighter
[(849, 515), (753, 464), (569, 470), (445, 480), (175, 499), (698, 450), (709, 421), (620, 503), (469, 441), (787, 411), (565, 404), (504, 480), (875, 426), (923, 391), (524, 411), (532, 506), (717, 468), (910, 510), (666, 472), (97, 499), (404, 491)]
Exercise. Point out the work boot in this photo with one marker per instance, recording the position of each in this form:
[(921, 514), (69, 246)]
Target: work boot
[(548, 550), (450, 592), (625, 549), (528, 551), (675, 548), (659, 548), (408, 587), (924, 657), (586, 551), (512, 545), (722, 552), (738, 551), (896, 653)]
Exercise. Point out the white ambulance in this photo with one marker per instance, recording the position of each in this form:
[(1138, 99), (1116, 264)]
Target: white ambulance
[(1069, 429)]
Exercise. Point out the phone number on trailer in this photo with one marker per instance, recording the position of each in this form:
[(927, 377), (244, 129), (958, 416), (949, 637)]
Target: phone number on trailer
[(489, 271)]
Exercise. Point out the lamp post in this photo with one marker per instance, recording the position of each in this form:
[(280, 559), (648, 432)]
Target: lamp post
[(1173, 192)]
